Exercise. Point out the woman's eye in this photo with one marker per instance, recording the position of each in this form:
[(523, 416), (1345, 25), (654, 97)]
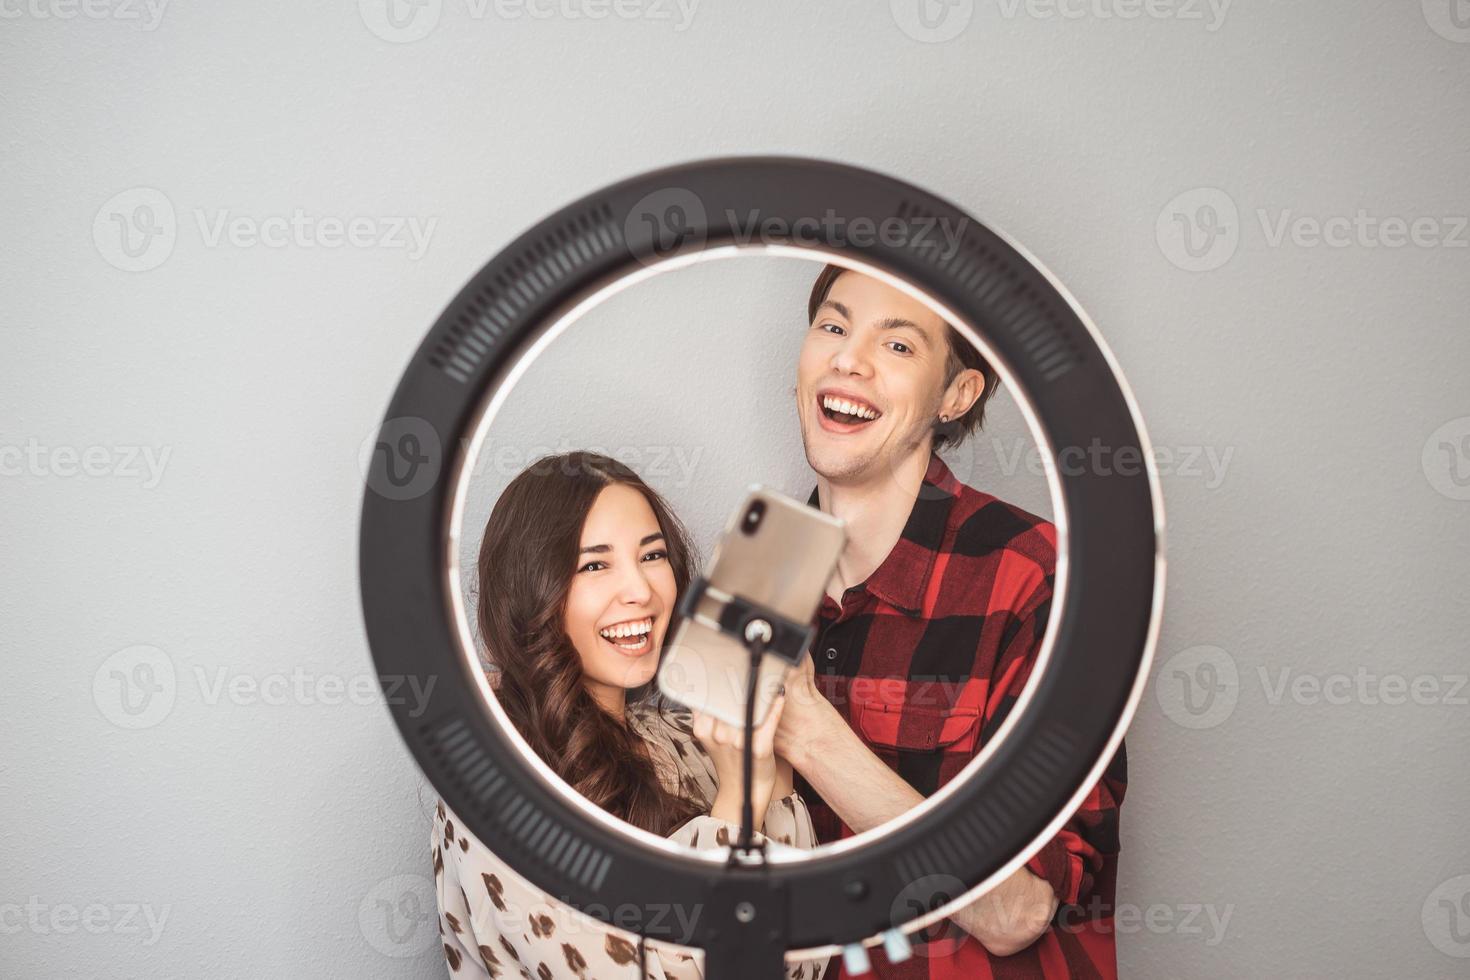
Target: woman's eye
[(593, 566), (656, 556), (829, 328), (901, 348)]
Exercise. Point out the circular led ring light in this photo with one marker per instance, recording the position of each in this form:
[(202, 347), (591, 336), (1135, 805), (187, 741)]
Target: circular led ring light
[(1053, 746)]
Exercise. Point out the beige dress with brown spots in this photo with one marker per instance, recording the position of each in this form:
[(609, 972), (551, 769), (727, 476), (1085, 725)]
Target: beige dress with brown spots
[(494, 923)]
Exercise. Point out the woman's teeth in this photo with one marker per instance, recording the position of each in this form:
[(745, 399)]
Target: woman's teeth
[(631, 635), (841, 406)]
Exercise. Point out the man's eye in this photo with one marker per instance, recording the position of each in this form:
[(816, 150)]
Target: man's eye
[(656, 556), (593, 566)]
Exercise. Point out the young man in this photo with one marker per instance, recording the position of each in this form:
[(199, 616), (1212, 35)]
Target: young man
[(930, 629)]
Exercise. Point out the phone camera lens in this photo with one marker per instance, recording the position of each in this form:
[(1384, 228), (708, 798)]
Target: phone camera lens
[(752, 519)]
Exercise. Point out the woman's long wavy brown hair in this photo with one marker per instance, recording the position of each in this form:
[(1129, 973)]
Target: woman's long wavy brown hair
[(527, 559)]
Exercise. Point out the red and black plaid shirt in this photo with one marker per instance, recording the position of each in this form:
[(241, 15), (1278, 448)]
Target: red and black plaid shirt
[(924, 660)]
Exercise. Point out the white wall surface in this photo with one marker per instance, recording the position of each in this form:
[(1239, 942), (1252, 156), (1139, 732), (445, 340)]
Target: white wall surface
[(253, 818)]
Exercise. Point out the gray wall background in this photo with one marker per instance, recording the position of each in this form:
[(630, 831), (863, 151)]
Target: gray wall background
[(197, 778)]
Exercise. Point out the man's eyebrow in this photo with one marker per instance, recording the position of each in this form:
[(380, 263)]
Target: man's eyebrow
[(895, 322), (846, 313), (602, 549)]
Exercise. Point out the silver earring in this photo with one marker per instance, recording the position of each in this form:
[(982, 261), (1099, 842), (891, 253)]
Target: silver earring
[(944, 418)]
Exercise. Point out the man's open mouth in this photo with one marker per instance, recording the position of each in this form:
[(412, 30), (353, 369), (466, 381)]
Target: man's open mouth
[(846, 410)]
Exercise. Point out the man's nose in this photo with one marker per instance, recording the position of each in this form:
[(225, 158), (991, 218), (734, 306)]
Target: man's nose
[(852, 358)]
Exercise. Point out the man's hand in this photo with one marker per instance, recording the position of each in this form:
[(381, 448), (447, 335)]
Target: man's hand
[(808, 719), (865, 792)]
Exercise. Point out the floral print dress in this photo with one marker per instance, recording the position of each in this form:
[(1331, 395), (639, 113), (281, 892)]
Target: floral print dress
[(494, 923)]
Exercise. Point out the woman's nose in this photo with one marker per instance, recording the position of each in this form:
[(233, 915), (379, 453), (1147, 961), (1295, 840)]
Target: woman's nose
[(635, 589)]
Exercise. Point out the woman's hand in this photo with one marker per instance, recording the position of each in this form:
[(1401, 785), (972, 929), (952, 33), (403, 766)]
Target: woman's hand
[(725, 744)]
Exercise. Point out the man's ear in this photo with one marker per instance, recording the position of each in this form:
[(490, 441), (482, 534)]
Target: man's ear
[(962, 393)]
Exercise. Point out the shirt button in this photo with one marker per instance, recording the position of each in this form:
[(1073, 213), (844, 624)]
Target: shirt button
[(831, 653)]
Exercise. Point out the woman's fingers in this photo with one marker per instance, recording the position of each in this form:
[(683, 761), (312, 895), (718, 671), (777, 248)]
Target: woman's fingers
[(711, 731), (765, 734), (727, 734)]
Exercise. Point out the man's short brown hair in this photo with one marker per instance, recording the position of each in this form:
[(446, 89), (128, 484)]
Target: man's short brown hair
[(962, 354)]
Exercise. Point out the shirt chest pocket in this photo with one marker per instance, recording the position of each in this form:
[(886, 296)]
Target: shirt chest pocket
[(900, 727)]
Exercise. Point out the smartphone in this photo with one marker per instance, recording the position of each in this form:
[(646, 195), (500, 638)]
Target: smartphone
[(777, 553)]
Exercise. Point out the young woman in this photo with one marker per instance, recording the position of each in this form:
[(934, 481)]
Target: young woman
[(580, 570)]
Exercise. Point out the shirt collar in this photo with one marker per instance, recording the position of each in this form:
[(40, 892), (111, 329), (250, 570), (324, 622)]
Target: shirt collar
[(902, 578)]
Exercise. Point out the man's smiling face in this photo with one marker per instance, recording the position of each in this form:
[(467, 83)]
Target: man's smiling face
[(870, 382)]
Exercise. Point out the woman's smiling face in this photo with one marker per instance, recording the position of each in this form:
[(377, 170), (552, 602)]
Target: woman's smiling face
[(622, 595)]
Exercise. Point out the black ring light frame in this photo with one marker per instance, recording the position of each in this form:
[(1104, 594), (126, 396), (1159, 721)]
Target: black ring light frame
[(1032, 774)]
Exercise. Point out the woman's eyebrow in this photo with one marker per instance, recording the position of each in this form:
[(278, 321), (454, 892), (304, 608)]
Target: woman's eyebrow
[(602, 549)]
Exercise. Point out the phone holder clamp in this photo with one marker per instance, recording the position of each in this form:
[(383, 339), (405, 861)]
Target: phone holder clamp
[(754, 625)]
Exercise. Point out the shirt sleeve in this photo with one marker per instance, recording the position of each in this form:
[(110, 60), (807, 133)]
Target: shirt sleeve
[(788, 826), (1086, 847)]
